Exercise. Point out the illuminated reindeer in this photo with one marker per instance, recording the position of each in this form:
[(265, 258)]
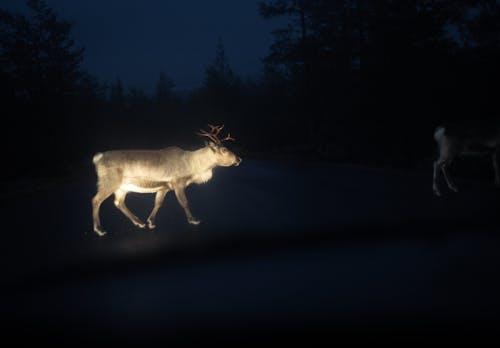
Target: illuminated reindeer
[(157, 171), (466, 139)]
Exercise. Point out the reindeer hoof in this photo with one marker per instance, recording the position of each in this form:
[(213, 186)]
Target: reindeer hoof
[(454, 188), (140, 224), (194, 221), (435, 190), (99, 232), (151, 224)]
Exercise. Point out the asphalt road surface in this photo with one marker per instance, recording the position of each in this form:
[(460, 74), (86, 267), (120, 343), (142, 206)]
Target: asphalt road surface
[(285, 251)]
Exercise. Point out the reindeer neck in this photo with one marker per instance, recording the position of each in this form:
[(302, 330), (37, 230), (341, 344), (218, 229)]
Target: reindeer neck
[(203, 159)]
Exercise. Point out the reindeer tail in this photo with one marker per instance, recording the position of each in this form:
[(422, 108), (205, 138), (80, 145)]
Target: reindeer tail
[(97, 158)]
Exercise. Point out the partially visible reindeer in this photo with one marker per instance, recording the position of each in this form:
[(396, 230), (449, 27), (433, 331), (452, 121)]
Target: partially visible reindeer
[(465, 139), (157, 171)]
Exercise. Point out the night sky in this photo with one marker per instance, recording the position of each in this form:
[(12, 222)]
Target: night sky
[(136, 40)]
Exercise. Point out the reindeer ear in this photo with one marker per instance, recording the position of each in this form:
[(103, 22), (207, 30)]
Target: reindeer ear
[(211, 145)]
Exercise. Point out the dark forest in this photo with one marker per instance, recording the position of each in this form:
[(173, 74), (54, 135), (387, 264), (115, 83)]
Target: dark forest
[(348, 81)]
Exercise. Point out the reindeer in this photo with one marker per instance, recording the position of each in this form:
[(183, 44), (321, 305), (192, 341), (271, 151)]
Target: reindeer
[(464, 139), (157, 171)]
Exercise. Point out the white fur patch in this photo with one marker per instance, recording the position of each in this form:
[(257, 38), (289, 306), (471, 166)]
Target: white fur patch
[(134, 188), (203, 177)]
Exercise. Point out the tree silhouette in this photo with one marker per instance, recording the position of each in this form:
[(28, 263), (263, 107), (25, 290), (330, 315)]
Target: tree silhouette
[(164, 90), (219, 75), (117, 94), (41, 79), (221, 87), (38, 53)]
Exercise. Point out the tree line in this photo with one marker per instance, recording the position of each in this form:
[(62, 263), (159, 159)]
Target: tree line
[(346, 80)]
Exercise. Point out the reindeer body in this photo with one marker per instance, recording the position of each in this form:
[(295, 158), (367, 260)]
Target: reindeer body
[(465, 139), (149, 171), (155, 171)]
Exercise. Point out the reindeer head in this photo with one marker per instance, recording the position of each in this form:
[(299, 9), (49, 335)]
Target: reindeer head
[(224, 157)]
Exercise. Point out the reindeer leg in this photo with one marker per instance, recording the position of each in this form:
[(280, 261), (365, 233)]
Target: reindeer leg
[(160, 196), (495, 167), (120, 204), (100, 197), (447, 177), (435, 178), (181, 197)]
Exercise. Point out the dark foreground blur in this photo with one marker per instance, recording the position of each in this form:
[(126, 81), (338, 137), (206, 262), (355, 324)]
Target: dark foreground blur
[(285, 252)]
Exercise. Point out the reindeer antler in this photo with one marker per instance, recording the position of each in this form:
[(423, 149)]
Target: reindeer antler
[(216, 129), (209, 135), (228, 137), (214, 134)]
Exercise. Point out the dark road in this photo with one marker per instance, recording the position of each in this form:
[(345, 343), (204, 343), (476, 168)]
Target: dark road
[(285, 250)]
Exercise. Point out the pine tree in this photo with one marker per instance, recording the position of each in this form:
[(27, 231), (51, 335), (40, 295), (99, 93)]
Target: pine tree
[(219, 74), (164, 89), (38, 53), (117, 94)]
